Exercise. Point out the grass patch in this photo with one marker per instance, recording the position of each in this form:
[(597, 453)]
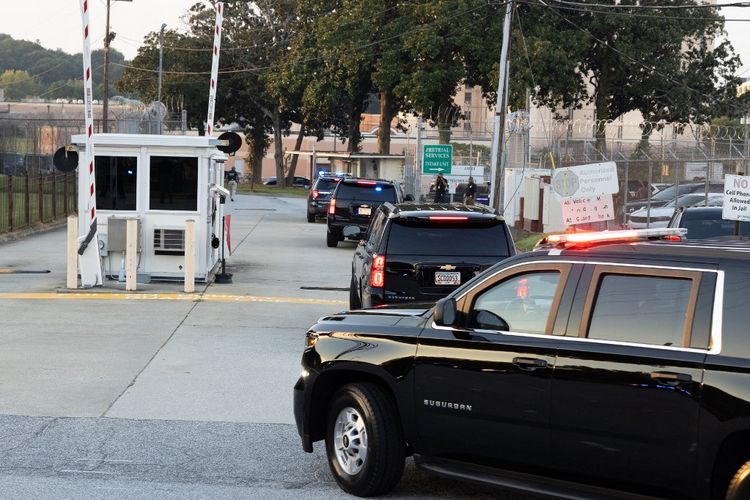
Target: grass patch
[(273, 190), (527, 244)]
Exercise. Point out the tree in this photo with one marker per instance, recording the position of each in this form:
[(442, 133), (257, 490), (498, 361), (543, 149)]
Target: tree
[(18, 85), (661, 62)]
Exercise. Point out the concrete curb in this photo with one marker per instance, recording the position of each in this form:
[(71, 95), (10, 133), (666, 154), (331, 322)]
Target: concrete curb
[(38, 228)]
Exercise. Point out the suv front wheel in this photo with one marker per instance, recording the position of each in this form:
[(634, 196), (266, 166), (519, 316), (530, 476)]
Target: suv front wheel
[(364, 441), (739, 486)]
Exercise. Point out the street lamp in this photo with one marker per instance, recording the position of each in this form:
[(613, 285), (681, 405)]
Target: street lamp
[(108, 37)]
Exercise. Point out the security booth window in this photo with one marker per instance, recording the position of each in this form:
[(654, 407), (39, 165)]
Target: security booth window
[(116, 182), (174, 183)]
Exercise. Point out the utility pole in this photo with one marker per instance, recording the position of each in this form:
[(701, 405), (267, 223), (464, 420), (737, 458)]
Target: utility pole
[(500, 108), (161, 68), (108, 37), (105, 111)]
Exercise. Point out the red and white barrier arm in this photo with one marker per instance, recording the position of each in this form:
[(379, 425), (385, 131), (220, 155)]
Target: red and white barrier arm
[(214, 69)]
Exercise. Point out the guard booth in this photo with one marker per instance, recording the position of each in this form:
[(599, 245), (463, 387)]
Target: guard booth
[(162, 181)]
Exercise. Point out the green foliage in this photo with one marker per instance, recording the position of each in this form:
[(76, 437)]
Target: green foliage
[(54, 70), (18, 84)]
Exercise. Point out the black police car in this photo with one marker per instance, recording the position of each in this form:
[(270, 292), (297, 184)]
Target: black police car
[(320, 195), (353, 203), (422, 252), (706, 222), (603, 366)]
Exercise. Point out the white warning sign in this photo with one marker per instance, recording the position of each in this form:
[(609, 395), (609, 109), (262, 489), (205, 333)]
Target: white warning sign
[(736, 198), (585, 180), (587, 209)]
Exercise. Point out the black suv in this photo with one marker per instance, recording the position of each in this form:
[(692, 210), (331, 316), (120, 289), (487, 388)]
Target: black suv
[(609, 367), (422, 252), (353, 203), (320, 195)]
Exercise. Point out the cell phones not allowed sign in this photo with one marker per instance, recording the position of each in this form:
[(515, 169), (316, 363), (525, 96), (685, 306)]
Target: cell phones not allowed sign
[(736, 204)]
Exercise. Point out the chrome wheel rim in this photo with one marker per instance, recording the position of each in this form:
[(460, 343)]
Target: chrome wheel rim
[(350, 441)]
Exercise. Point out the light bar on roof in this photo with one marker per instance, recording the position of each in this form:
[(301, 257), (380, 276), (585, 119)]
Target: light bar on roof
[(571, 240)]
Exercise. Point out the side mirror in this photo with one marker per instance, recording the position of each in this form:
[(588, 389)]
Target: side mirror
[(445, 312), (489, 320), (409, 197)]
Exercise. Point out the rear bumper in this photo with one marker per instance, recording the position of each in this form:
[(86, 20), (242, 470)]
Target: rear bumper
[(319, 208)]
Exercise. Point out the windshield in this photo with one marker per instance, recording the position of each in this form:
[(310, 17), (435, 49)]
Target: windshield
[(429, 238), (688, 200), (326, 185), (698, 229), (668, 193)]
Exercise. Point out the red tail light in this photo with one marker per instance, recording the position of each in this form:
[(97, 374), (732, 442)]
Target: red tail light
[(315, 194), (377, 273), (451, 218), (332, 207)]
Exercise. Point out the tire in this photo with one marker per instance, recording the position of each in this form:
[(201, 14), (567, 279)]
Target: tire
[(332, 239), (739, 486), (310, 217), (360, 413), (355, 301)]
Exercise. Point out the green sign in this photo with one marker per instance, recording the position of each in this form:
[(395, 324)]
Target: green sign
[(437, 159)]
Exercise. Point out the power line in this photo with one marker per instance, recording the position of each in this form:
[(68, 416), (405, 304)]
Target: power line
[(652, 7), (633, 14), (318, 58), (632, 59)]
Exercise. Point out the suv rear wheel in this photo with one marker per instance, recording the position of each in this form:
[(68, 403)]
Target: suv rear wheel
[(739, 486), (364, 441), (332, 239)]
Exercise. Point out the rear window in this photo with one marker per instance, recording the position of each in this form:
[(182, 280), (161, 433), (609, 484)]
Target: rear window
[(326, 185), (378, 193), (421, 238), (698, 229)]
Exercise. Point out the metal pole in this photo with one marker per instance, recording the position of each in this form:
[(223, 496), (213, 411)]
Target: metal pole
[(417, 148), (499, 126), (161, 68), (105, 110)]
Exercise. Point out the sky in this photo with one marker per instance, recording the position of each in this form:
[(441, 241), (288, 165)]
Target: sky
[(57, 23)]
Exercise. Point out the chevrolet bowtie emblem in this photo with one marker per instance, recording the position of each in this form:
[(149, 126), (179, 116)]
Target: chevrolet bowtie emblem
[(447, 267)]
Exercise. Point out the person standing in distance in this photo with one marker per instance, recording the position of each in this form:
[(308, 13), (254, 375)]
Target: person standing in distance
[(470, 195), (441, 186), (233, 177)]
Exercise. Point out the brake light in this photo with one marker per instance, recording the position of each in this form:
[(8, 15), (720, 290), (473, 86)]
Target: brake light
[(366, 183), (377, 273), (332, 207), (315, 194), (453, 218)]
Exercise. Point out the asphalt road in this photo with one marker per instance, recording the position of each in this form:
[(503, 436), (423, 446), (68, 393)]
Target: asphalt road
[(154, 397)]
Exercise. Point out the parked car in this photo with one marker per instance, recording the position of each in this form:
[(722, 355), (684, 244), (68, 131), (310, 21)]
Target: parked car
[(298, 182), (669, 193), (422, 252), (706, 222), (353, 203), (610, 365), (320, 195), (659, 216)]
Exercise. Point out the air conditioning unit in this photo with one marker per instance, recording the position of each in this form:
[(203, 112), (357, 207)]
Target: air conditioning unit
[(169, 241)]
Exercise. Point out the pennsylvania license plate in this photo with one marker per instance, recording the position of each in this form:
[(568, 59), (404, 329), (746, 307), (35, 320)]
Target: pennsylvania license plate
[(446, 278), (365, 211)]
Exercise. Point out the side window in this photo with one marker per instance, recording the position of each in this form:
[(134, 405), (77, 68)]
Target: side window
[(116, 182), (373, 232), (523, 301), (642, 309)]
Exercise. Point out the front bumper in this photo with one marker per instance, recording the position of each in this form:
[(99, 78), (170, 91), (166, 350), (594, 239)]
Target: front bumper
[(300, 405)]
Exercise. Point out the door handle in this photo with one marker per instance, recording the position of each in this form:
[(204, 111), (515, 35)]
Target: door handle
[(529, 363), (671, 378)]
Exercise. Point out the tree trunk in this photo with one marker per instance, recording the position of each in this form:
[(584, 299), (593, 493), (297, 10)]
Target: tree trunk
[(256, 140), (295, 158), (355, 118), (387, 112), (278, 148)]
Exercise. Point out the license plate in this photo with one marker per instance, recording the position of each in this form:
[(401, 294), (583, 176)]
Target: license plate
[(446, 278), (365, 211)]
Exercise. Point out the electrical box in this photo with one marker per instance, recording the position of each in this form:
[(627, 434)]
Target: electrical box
[(117, 234)]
